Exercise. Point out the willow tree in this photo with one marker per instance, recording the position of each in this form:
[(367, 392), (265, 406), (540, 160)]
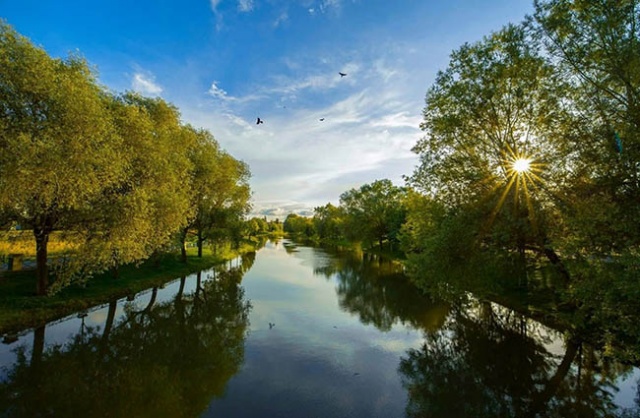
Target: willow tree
[(58, 150), (221, 214), (204, 155), (494, 107), (140, 214)]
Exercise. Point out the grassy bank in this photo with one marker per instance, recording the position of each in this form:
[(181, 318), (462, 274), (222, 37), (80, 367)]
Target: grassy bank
[(20, 308)]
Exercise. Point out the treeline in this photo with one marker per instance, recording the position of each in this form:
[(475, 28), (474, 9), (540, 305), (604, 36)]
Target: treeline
[(373, 215), (118, 174), (531, 152)]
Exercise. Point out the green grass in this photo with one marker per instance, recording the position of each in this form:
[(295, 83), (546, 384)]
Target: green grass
[(21, 309)]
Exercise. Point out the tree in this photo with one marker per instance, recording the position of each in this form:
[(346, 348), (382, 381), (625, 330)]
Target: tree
[(375, 212), (140, 214), (328, 221), (595, 45), (299, 225), (58, 150), (222, 209), (204, 156), (498, 102)]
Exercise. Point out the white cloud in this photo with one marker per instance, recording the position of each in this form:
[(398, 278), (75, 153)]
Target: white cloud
[(245, 5), (371, 122), (217, 14), (330, 5), (145, 84), (319, 81), (283, 18), (217, 92), (223, 96)]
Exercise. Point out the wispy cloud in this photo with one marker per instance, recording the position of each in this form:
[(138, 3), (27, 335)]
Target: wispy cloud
[(370, 123), (145, 83), (245, 5), (319, 81), (220, 94), (281, 19), (330, 6), (216, 13)]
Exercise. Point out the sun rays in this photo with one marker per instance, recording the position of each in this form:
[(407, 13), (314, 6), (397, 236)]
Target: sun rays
[(522, 180)]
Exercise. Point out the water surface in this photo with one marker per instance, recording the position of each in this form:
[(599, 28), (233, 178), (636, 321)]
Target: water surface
[(295, 331)]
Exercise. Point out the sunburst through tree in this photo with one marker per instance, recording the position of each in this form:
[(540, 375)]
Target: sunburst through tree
[(522, 175)]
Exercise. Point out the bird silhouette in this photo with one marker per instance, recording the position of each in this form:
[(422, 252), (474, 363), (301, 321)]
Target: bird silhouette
[(321, 119), (271, 325), (259, 121), (342, 74)]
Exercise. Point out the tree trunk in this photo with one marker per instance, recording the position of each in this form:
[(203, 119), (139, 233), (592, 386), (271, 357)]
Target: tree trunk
[(115, 269), (183, 248), (42, 271), (200, 241)]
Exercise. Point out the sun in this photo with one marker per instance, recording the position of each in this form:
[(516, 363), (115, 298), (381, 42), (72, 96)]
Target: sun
[(522, 180), (522, 165)]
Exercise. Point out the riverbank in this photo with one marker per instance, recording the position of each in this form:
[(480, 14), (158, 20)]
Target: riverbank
[(21, 309)]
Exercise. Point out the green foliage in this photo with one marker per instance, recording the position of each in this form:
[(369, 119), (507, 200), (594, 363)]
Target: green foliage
[(119, 173), (375, 212), (329, 221), (299, 225), (595, 45), (59, 152)]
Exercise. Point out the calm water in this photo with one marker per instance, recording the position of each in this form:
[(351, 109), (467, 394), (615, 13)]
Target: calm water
[(294, 331)]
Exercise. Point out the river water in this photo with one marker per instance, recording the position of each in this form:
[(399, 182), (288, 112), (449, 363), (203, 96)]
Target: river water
[(296, 331)]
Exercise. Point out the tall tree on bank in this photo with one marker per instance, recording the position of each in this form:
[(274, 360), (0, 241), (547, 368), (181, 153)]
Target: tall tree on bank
[(222, 209), (596, 45), (58, 150), (497, 102), (140, 214)]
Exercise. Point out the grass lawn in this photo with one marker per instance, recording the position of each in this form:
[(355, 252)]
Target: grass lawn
[(20, 308)]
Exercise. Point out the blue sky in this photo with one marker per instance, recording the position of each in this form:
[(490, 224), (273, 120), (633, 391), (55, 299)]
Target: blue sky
[(226, 62)]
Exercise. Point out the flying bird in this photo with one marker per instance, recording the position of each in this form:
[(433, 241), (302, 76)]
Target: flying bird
[(259, 121), (342, 74), (321, 119)]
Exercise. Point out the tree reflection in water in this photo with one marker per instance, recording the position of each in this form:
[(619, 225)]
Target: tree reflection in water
[(166, 360), (375, 289), (479, 359), (483, 363)]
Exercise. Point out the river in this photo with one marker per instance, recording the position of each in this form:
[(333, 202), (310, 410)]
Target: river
[(297, 331)]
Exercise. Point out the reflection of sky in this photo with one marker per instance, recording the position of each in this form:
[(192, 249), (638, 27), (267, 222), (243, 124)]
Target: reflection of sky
[(317, 360)]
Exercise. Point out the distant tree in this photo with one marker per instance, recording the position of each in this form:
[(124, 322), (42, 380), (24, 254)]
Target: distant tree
[(375, 212), (298, 225), (329, 221)]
